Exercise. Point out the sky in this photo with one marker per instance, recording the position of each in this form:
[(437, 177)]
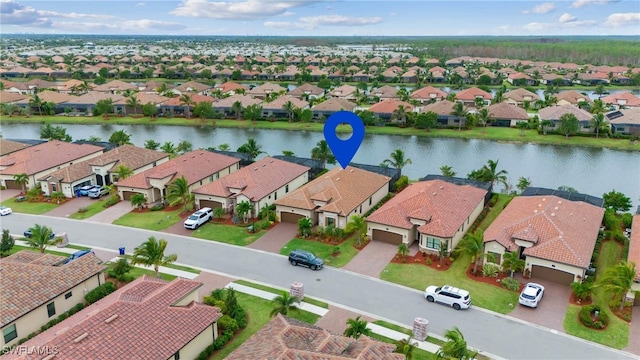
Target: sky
[(321, 18)]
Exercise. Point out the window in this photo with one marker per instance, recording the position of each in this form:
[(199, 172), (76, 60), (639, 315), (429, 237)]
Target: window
[(494, 257), (9, 333), (286, 188), (211, 178), (176, 356), (331, 221), (275, 195), (154, 164), (67, 295), (51, 309), (54, 187), (217, 175), (433, 243), (370, 200), (115, 177)]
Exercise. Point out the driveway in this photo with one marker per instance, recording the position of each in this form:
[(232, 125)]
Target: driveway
[(110, 214), (71, 206), (275, 238), (8, 193), (372, 259), (552, 308)]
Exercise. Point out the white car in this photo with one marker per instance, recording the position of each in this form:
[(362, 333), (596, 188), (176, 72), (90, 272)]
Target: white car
[(5, 210), (448, 295), (198, 218), (531, 295)]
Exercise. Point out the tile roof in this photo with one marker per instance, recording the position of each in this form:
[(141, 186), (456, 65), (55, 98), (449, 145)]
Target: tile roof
[(555, 112), (257, 180), (306, 89), (634, 245), (567, 230), (334, 104), (384, 92), (445, 207), (49, 96), (504, 110), (92, 98), (521, 94), (245, 100), (7, 97), (573, 97), (33, 160), (144, 98), (230, 86), (139, 321), (31, 279), (266, 88), (343, 91), (625, 116), (7, 146), (624, 98), (471, 94), (429, 92), (342, 189), (195, 98), (117, 85), (194, 166), (388, 106), (282, 100), (444, 107), (286, 338), (192, 86)]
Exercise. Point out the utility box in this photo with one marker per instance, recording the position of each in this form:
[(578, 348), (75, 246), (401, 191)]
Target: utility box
[(420, 329), (121, 250), (297, 290)]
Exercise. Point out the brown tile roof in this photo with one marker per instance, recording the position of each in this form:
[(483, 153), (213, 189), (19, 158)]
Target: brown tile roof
[(45, 156), (144, 98), (634, 245), (257, 180), (521, 94), (7, 97), (282, 100), (429, 92), (388, 106), (444, 107), (115, 85), (343, 91), (92, 98), (384, 92), (230, 86), (624, 98), (139, 321), (7, 146), (192, 86), (194, 166), (471, 94), (30, 279), (573, 97), (342, 189), (507, 111), (334, 104), (567, 230), (444, 205), (555, 112), (50, 96), (196, 98), (629, 116), (286, 338), (245, 100), (267, 88), (306, 89)]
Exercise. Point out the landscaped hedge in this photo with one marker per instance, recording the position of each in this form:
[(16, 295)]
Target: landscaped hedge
[(586, 317), (229, 324), (510, 284), (377, 206), (99, 292)]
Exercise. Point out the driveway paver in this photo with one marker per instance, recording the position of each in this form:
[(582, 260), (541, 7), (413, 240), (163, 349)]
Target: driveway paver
[(112, 213), (71, 206), (335, 320), (634, 332), (372, 259), (275, 238), (8, 193), (552, 308)]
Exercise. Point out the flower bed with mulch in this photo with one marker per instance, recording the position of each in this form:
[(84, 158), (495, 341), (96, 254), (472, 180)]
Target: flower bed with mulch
[(495, 281), (432, 261)]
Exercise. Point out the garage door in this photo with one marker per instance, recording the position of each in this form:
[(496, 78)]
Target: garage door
[(210, 204), (545, 273), (386, 236), (126, 195), (11, 184), (290, 217)]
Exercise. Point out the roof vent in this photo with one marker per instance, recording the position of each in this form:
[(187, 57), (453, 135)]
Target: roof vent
[(553, 214), (441, 187), (544, 199), (555, 208), (434, 193), (535, 211), (80, 338), (255, 169), (337, 178), (111, 318)]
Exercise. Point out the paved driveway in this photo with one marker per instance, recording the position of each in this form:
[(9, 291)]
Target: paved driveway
[(71, 206), (551, 310), (8, 193), (110, 214), (372, 259), (275, 238)]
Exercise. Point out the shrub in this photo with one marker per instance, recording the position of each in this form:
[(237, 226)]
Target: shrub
[(34, 192), (490, 270), (113, 199), (582, 290), (157, 207), (627, 219), (384, 200), (120, 269), (619, 237), (510, 284), (493, 200), (99, 292), (401, 183), (586, 317), (217, 294), (241, 318), (226, 322)]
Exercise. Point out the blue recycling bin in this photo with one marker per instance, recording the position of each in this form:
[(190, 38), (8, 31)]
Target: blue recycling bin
[(121, 250)]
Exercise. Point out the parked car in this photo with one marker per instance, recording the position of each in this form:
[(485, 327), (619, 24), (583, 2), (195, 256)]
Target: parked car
[(198, 218), (448, 295), (84, 191), (77, 255), (97, 192), (531, 295), (27, 233), (305, 258), (5, 210)]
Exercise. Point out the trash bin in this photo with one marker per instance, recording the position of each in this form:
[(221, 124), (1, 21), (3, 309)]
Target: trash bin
[(121, 250)]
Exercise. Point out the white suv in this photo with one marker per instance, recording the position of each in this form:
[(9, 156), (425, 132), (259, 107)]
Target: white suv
[(198, 218), (448, 295)]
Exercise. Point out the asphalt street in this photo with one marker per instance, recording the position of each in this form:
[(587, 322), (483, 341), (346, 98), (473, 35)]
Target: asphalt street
[(494, 333)]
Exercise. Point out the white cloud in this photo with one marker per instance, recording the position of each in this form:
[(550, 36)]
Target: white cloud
[(141, 4), (536, 26), (622, 19), (312, 22), (237, 10), (543, 8), (74, 15), (580, 3), (143, 26), (566, 17), (147, 24), (13, 13)]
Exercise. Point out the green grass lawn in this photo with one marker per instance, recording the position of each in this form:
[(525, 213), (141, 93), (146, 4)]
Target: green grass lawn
[(35, 208), (258, 311), (77, 247), (152, 220), (278, 292), (172, 266), (324, 251), (418, 354), (230, 234), (503, 199), (419, 276), (17, 248), (91, 210)]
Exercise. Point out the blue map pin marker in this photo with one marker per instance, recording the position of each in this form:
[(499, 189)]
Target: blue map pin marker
[(344, 150)]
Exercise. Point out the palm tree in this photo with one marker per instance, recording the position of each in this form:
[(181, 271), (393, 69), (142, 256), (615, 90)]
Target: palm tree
[(243, 208), (151, 253), (22, 180), (356, 327), (472, 244), (460, 112), (323, 153), (133, 103), (236, 108), (186, 100), (443, 251), (400, 114), (397, 160), (120, 137), (455, 347), (406, 347), (169, 148), (178, 193), (251, 148), (41, 237), (598, 122), (403, 251), (618, 280), (36, 103), (511, 262), (151, 144), (357, 224), (289, 108), (304, 227), (284, 303), (492, 175), (447, 171), (484, 116), (137, 200), (184, 147), (544, 124), (123, 172)]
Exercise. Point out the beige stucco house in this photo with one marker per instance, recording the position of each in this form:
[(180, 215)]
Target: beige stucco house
[(332, 198), (165, 315), (36, 288), (434, 213)]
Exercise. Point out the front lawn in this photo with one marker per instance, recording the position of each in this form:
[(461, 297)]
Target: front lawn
[(35, 208), (152, 220), (17, 248), (137, 272), (419, 276), (230, 234), (90, 210), (503, 200), (278, 292), (324, 251)]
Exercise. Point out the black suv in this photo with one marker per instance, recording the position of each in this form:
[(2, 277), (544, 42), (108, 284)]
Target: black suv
[(305, 258)]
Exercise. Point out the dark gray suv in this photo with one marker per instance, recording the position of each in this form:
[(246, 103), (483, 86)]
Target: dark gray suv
[(305, 258)]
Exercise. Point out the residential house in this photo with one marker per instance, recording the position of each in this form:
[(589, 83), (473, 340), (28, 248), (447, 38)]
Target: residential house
[(434, 213), (100, 170), (199, 167), (230, 88), (506, 115), (444, 109), (263, 91), (48, 96), (306, 92), (332, 198), (260, 184), (553, 113), (555, 236), (469, 96), (384, 110), (143, 98), (331, 106), (86, 103), (8, 147), (176, 105), (634, 254), (558, 79), (519, 97), (520, 79), (115, 87), (37, 288), (361, 76), (226, 104), (286, 338), (572, 97), (623, 99), (43, 159), (384, 92), (73, 86), (436, 74), (12, 97), (117, 326), (625, 121), (346, 91), (17, 87), (276, 107), (429, 94), (191, 87)]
